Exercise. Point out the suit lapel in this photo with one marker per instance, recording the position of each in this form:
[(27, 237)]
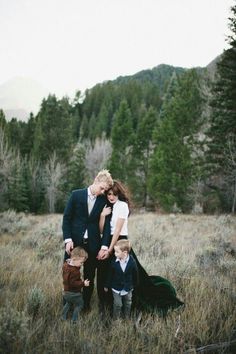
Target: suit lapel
[(86, 200), (117, 263), (128, 264)]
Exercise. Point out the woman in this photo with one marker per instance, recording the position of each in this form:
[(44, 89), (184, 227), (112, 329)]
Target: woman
[(118, 210), (153, 293)]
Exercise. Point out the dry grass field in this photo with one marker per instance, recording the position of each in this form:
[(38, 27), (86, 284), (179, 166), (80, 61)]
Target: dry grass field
[(196, 253)]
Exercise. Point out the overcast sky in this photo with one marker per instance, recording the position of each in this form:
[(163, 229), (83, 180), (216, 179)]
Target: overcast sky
[(73, 44)]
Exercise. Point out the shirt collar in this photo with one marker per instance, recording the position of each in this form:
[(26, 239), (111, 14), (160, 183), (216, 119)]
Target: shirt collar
[(90, 195), (116, 203), (123, 261)]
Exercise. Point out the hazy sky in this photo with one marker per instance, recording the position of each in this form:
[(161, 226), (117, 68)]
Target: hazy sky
[(74, 44)]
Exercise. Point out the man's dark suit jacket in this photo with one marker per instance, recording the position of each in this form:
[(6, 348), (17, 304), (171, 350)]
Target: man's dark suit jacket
[(119, 280), (76, 220)]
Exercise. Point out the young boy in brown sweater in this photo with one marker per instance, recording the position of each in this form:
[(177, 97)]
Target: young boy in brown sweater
[(73, 284)]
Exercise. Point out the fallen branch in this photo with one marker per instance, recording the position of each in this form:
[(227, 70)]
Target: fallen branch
[(212, 348), (138, 320), (178, 327)]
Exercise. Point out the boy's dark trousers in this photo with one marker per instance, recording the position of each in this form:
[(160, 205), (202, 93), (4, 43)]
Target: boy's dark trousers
[(122, 305), (72, 300)]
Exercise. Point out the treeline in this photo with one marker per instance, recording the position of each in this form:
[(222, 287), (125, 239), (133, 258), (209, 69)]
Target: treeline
[(168, 133)]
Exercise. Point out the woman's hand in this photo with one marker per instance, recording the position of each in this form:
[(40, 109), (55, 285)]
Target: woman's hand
[(106, 211)]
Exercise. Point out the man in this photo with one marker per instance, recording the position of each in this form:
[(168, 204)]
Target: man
[(81, 228)]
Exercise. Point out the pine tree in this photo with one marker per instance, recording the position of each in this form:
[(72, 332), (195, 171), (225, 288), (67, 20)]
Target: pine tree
[(53, 130), (17, 193), (84, 128), (172, 165), (93, 131), (28, 136), (7, 157), (222, 132), (76, 123), (14, 133), (142, 152), (103, 121), (3, 121), (76, 172), (76, 116), (122, 142)]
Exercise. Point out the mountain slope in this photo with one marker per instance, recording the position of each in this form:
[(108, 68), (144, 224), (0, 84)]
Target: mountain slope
[(159, 75)]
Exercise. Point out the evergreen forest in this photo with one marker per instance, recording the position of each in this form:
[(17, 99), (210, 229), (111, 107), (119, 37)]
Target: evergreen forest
[(168, 133)]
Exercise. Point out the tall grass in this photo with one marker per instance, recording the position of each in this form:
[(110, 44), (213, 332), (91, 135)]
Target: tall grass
[(196, 253)]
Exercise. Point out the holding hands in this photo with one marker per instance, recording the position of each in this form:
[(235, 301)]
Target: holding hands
[(103, 254), (69, 247)]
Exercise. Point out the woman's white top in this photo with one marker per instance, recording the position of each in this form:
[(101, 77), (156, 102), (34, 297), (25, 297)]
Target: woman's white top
[(120, 211)]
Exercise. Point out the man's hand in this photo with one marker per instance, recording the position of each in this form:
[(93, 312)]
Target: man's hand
[(69, 247), (106, 290)]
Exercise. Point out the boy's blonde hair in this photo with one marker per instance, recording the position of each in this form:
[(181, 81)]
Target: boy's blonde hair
[(104, 176), (124, 245), (79, 252)]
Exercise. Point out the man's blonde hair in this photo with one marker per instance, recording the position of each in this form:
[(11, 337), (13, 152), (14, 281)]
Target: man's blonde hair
[(104, 176), (79, 252), (124, 245)]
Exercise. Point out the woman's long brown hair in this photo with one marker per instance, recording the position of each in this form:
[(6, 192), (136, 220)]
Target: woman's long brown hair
[(121, 191)]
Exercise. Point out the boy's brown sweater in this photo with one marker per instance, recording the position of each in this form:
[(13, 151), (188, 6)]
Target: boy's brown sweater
[(71, 278)]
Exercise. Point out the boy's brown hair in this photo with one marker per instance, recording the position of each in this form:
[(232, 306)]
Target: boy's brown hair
[(124, 245), (79, 252)]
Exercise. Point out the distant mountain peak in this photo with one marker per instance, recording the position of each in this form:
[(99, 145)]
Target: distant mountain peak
[(21, 95)]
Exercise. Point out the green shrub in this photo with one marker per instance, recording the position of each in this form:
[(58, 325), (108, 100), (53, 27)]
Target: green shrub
[(12, 222), (35, 301), (13, 330)]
